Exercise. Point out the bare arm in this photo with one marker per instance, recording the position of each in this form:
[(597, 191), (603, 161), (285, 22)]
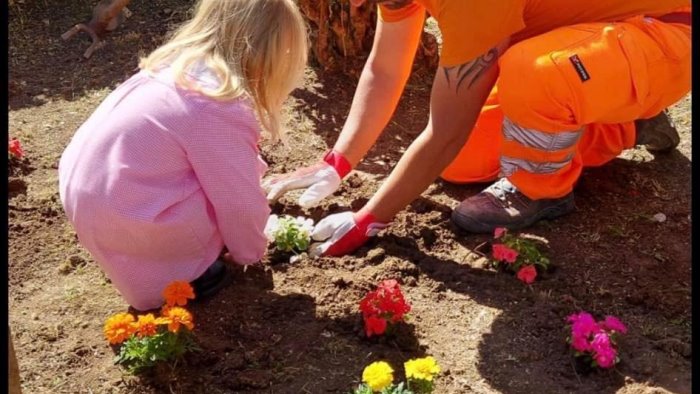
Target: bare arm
[(457, 96), (381, 84)]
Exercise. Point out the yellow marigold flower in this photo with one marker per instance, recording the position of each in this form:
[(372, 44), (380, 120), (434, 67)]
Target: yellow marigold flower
[(177, 316), (378, 375), (422, 368), (177, 293), (119, 327)]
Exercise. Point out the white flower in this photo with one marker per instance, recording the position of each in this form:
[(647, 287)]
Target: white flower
[(271, 227), (289, 233), (305, 224)]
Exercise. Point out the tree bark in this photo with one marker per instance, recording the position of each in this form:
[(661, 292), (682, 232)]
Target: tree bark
[(342, 35)]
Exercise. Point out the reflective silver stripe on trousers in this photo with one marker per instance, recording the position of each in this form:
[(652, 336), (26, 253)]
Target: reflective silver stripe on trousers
[(548, 142), (510, 164), (537, 139)]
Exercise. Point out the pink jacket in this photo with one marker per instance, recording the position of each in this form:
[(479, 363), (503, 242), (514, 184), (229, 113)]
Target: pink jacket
[(158, 180)]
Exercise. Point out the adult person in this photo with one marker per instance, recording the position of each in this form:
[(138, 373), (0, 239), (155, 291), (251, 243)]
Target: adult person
[(527, 91)]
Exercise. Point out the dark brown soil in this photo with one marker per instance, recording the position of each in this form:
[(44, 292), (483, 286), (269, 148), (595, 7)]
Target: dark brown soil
[(296, 328)]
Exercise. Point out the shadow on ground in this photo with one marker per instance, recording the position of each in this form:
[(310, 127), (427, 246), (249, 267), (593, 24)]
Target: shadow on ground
[(611, 257), (255, 339)]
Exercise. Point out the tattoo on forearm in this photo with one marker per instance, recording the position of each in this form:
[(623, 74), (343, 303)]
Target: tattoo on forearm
[(470, 71)]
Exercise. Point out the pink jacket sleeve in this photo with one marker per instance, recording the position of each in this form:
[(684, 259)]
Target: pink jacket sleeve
[(224, 154)]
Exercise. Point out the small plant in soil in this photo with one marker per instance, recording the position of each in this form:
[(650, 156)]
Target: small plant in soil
[(594, 343), (519, 254), (15, 156), (145, 341), (378, 377), (290, 234), (383, 307), (14, 149)]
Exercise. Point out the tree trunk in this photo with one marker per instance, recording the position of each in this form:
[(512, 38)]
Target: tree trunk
[(342, 35), (13, 369)]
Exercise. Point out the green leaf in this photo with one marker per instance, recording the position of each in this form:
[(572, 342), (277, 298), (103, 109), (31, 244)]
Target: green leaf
[(421, 386), (289, 236), (400, 389), (138, 354), (363, 389)]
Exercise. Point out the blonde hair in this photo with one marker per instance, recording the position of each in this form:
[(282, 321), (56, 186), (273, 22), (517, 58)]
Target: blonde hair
[(256, 48)]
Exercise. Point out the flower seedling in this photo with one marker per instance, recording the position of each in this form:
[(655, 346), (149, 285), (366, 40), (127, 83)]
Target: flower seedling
[(382, 307), (518, 254), (14, 149), (147, 340), (595, 342), (289, 234), (378, 377)]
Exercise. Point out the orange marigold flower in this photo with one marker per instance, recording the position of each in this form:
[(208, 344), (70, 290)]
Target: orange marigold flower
[(178, 316), (146, 325), (177, 293), (119, 328)]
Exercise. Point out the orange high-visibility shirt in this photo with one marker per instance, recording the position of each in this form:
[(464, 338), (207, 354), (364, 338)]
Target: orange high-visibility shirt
[(471, 27)]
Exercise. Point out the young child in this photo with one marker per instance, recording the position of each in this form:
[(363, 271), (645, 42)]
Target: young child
[(166, 171)]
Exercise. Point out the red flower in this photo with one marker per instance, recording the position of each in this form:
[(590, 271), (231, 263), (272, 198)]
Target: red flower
[(396, 307), (15, 148), (367, 305), (527, 274), (503, 253), (375, 325), (386, 304)]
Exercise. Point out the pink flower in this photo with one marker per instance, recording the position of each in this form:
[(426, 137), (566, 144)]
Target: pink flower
[(574, 317), (605, 359), (580, 342), (15, 148), (603, 351), (527, 274), (511, 255), (497, 250), (583, 324), (614, 324), (593, 337), (601, 343), (499, 232), (503, 253)]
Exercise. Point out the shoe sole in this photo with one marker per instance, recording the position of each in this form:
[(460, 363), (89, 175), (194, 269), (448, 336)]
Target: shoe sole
[(474, 226)]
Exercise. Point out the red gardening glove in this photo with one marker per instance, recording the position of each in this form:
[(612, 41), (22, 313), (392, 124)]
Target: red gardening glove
[(344, 232), (320, 179)]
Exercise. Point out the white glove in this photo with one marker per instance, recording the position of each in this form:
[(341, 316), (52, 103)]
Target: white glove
[(321, 180)]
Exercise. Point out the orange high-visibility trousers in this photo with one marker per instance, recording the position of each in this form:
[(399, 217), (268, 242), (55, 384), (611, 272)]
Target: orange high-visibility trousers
[(569, 98)]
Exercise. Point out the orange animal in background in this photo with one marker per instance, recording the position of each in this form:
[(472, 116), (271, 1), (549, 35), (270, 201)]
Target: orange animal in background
[(106, 16)]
